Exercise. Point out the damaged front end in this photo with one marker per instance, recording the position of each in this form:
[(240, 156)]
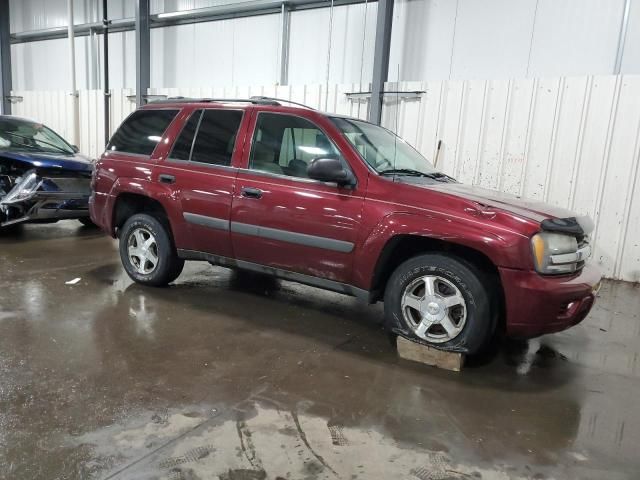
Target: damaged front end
[(41, 194)]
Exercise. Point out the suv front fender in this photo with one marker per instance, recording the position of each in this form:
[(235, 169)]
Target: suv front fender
[(502, 246)]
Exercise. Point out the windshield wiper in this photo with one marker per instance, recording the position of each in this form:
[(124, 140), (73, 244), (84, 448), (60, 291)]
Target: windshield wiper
[(440, 176), (417, 173), (403, 171), (59, 149)]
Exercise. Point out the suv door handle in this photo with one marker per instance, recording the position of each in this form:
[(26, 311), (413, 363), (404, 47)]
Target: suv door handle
[(251, 192), (165, 178)]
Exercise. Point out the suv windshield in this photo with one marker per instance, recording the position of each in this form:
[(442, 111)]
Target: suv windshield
[(384, 151), (20, 134)]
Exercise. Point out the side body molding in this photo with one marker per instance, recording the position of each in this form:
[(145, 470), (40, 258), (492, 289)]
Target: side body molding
[(206, 221), (292, 237), (270, 233)]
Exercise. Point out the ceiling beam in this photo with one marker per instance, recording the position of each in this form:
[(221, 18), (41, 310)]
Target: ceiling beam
[(183, 17)]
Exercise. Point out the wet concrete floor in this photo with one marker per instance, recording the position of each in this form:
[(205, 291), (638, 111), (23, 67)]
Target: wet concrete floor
[(228, 376)]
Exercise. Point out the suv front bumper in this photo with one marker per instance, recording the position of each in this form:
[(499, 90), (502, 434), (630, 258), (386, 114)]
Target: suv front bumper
[(537, 304)]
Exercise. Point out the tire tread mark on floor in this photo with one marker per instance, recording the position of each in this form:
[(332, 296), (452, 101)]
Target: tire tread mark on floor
[(337, 435), (164, 445), (248, 447), (303, 437), (192, 455)]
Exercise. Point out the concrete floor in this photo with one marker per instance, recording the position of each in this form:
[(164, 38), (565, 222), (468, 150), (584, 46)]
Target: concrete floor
[(237, 377)]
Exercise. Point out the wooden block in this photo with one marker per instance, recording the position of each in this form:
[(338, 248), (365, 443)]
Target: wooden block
[(417, 352)]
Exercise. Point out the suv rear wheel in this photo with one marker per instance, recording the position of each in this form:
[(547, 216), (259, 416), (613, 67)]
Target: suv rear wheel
[(147, 251), (440, 301)]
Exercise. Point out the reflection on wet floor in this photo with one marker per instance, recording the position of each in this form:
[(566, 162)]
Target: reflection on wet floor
[(233, 375)]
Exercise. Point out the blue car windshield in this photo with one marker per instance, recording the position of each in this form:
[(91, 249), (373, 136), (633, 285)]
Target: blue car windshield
[(18, 134)]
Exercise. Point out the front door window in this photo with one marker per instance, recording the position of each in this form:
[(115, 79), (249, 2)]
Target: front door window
[(286, 145)]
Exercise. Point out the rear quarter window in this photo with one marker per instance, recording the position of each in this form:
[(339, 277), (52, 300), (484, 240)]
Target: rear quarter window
[(141, 131)]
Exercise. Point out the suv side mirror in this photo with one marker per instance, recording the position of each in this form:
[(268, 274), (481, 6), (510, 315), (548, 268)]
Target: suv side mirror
[(330, 170), (75, 148)]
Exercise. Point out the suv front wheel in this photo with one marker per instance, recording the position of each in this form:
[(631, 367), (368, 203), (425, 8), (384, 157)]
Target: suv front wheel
[(440, 301), (147, 251)]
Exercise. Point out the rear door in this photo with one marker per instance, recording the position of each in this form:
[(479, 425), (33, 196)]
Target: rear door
[(281, 218), (200, 172)]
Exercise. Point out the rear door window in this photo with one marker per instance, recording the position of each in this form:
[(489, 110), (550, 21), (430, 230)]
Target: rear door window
[(216, 136), (141, 131)]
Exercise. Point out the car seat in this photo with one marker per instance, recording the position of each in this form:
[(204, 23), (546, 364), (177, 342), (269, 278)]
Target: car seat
[(298, 168), (262, 159)]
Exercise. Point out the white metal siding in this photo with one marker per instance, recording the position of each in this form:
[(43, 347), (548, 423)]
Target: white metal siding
[(501, 39), (492, 38), (239, 51), (309, 42), (575, 37), (570, 141), (631, 57), (52, 108), (431, 40)]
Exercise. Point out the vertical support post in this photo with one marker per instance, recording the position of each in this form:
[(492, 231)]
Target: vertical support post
[(72, 70), (105, 86), (5, 58), (93, 60), (285, 26), (382, 47), (143, 46), (326, 83), (622, 38)]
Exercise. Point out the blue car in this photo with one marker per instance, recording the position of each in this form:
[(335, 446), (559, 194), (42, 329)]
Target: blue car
[(42, 177)]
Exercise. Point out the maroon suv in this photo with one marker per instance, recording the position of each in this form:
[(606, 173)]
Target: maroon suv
[(341, 204)]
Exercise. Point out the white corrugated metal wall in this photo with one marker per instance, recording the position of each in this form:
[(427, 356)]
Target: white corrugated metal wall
[(570, 141), (493, 39), (431, 40)]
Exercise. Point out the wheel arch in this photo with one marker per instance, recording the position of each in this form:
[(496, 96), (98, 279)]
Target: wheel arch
[(128, 204), (402, 247)]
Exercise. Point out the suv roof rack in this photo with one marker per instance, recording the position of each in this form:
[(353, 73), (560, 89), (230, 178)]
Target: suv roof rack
[(181, 99), (278, 100), (256, 100)]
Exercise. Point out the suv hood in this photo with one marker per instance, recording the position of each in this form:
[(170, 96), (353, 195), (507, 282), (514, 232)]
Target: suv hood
[(531, 209), (50, 160)]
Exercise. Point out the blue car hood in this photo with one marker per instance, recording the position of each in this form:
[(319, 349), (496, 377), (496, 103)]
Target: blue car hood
[(50, 160)]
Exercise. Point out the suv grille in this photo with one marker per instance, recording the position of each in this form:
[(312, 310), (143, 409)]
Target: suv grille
[(583, 241)]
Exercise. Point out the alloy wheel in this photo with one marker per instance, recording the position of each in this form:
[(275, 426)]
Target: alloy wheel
[(143, 251), (434, 308)]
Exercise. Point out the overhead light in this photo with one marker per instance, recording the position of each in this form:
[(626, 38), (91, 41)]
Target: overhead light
[(173, 14)]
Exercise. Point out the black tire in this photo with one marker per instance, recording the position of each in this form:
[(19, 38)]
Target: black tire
[(168, 266), (13, 229), (471, 283), (86, 221)]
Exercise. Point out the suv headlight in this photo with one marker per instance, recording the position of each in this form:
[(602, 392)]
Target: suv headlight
[(556, 253)]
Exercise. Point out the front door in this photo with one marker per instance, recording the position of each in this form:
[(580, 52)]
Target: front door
[(280, 218)]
